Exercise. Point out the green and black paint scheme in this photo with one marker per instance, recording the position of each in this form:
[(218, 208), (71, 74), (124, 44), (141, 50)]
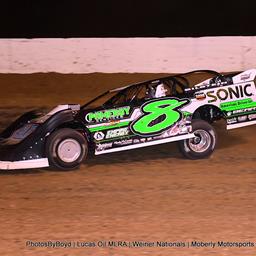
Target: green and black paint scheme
[(155, 121), (131, 117)]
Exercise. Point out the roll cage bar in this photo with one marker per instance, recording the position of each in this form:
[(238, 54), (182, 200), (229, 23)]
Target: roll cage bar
[(179, 79)]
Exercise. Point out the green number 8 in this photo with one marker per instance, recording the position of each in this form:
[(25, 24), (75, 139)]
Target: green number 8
[(153, 110)]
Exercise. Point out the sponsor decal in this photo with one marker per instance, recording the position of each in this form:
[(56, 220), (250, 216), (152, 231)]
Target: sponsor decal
[(238, 105), (203, 84), (123, 142), (158, 116), (186, 114), (117, 133), (135, 141), (231, 120), (238, 91), (103, 146), (252, 116), (98, 136), (113, 122), (200, 95), (179, 128), (109, 114), (245, 76), (246, 110), (107, 126), (242, 118)]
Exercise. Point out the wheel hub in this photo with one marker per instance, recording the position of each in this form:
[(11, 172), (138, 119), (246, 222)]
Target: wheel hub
[(201, 142), (69, 150), (197, 139)]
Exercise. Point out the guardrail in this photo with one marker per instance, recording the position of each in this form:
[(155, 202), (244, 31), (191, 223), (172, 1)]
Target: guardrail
[(112, 55)]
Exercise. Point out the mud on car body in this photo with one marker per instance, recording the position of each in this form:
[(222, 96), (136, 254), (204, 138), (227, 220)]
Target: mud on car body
[(172, 108)]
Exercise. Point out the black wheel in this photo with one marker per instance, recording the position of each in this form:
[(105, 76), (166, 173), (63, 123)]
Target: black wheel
[(66, 149), (203, 144)]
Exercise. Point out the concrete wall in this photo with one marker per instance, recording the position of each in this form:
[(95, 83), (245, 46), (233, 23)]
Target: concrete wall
[(152, 55)]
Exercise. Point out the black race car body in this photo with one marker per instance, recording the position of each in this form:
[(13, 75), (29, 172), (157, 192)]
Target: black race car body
[(172, 108)]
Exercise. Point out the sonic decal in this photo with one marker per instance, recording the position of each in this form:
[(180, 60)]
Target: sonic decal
[(234, 92)]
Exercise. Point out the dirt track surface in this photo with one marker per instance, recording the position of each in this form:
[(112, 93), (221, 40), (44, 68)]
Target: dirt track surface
[(150, 194)]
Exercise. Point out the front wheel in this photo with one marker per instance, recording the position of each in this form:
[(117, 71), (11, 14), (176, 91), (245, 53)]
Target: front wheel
[(66, 149), (204, 142)]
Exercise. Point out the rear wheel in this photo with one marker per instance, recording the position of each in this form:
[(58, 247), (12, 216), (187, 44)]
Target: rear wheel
[(204, 142), (66, 149)]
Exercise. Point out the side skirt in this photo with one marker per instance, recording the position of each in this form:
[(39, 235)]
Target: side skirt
[(26, 164), (146, 144), (238, 125)]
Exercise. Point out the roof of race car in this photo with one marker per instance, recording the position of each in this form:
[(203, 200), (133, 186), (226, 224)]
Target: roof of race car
[(187, 83), (158, 80)]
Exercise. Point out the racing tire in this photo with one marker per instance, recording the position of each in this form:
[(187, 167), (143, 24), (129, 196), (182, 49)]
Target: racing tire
[(66, 149), (203, 144)]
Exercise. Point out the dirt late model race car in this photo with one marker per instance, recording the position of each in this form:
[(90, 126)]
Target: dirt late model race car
[(143, 114)]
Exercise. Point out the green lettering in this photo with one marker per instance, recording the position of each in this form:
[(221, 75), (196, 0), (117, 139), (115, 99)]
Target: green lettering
[(107, 114), (126, 110)]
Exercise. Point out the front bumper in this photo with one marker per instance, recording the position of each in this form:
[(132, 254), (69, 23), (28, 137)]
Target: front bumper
[(26, 164)]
